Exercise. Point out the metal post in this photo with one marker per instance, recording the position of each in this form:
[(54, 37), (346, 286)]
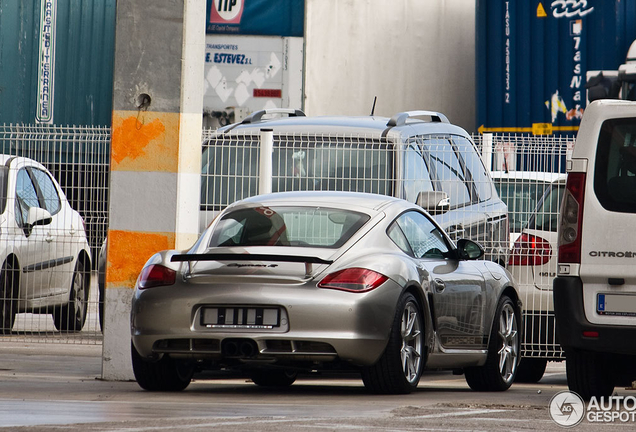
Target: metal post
[(486, 150), (265, 165)]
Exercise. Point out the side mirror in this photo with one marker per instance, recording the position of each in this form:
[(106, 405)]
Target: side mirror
[(469, 250), (434, 202), (38, 216)]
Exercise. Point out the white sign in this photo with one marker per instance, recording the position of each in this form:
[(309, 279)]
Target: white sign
[(46, 62)]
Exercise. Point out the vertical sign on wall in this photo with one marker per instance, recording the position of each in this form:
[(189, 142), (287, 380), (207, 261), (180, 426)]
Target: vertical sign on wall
[(46, 62)]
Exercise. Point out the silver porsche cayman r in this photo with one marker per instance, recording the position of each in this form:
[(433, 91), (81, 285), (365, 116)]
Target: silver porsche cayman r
[(300, 281)]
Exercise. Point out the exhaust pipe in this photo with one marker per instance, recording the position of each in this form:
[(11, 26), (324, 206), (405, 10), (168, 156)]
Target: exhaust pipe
[(239, 348), (230, 349), (248, 349)]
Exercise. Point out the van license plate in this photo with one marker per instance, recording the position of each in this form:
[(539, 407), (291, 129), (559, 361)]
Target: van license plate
[(616, 304)]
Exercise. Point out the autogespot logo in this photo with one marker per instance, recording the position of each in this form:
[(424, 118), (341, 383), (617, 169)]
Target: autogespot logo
[(567, 409)]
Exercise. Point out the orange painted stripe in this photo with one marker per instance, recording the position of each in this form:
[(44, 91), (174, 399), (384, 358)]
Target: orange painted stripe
[(145, 141), (128, 251)]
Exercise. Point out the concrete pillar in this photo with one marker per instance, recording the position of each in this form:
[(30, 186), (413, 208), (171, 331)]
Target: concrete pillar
[(156, 152)]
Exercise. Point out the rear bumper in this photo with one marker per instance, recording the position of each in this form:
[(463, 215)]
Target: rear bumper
[(571, 322)]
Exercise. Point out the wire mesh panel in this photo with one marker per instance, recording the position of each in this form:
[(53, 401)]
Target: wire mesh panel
[(54, 217), (529, 173)]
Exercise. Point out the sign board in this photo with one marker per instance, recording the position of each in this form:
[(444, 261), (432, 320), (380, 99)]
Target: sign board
[(256, 17), (46, 62)]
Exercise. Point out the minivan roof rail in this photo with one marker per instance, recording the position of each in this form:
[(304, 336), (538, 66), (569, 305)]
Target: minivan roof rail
[(400, 118), (258, 115)]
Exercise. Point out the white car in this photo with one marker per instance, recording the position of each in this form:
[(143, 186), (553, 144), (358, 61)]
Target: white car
[(45, 257), (533, 264)]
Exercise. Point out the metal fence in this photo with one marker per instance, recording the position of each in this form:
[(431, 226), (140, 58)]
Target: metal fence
[(528, 174), (48, 251)]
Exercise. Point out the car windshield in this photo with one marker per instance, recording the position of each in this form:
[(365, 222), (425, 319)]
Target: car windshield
[(287, 226), (546, 216), (521, 197)]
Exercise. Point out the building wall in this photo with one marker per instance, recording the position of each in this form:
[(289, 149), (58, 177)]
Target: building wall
[(411, 54)]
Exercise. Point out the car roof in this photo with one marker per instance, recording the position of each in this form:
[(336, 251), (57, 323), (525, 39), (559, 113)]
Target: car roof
[(369, 125), (533, 176), (4, 158), (358, 200)]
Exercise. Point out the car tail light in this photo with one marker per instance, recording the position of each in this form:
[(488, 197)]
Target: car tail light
[(530, 250), (156, 275), (353, 279), (571, 219)]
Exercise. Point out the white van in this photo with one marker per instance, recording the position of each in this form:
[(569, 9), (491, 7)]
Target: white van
[(595, 288)]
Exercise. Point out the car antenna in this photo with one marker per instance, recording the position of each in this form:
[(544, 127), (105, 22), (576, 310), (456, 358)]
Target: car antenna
[(373, 107)]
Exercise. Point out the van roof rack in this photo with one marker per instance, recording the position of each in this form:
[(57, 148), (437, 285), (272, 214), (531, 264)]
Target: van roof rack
[(400, 118)]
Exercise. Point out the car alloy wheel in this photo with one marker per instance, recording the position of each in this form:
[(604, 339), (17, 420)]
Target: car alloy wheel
[(411, 352), (509, 350)]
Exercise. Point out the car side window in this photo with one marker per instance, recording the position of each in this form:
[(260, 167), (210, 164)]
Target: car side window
[(395, 233), (448, 170), (422, 235), (26, 197), (475, 167), (48, 190), (416, 174)]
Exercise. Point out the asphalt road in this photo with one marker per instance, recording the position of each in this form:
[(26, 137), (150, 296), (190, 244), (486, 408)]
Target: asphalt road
[(52, 387)]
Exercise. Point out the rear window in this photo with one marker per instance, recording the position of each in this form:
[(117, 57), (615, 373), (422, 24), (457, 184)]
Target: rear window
[(615, 170), (546, 216), (521, 197), (287, 226)]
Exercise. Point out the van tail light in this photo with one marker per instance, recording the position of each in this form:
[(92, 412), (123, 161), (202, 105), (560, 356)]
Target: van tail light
[(156, 275), (530, 250), (353, 280), (571, 219)]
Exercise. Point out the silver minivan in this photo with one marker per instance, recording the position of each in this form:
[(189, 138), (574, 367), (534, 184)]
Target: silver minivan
[(595, 288), (417, 155)]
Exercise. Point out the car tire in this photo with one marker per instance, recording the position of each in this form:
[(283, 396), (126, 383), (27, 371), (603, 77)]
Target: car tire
[(498, 373), (399, 369), (273, 377), (72, 316), (166, 374), (531, 370), (8, 297), (589, 374)]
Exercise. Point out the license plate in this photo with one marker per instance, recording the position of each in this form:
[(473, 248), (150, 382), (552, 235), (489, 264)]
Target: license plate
[(616, 304), (240, 317)]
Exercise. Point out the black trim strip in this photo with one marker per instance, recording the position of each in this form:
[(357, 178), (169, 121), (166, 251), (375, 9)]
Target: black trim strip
[(47, 264), (247, 257)]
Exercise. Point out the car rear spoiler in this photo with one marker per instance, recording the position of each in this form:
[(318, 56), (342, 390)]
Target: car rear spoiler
[(307, 260)]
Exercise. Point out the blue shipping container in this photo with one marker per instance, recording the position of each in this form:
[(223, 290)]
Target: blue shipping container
[(533, 56), (56, 61)]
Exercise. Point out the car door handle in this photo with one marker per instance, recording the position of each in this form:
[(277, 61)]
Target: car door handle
[(439, 285)]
